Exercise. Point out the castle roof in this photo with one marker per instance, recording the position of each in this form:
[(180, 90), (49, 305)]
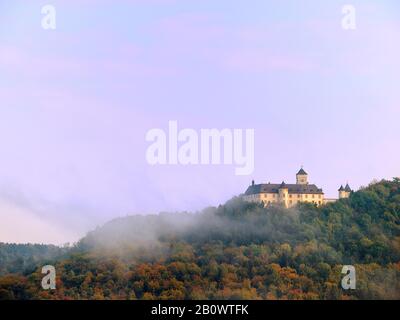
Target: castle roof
[(341, 188), (283, 185), (301, 172), (347, 188), (292, 188)]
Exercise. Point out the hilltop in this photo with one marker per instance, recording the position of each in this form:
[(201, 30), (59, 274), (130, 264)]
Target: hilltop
[(239, 250)]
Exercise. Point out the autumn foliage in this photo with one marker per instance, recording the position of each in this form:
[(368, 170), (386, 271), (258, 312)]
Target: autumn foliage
[(236, 251)]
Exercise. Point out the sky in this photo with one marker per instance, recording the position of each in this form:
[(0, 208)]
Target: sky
[(76, 103)]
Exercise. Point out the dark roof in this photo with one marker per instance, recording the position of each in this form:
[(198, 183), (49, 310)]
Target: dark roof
[(341, 188), (292, 188), (283, 185), (301, 171), (347, 188)]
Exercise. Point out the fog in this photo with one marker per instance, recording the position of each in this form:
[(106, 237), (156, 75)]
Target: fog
[(235, 222)]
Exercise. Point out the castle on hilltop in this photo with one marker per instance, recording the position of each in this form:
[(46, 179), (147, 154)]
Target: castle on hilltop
[(291, 194)]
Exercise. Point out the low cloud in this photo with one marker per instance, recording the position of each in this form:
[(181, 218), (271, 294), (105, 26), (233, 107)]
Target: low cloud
[(21, 224)]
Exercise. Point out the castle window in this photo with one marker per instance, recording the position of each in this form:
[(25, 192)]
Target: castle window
[(298, 196), (313, 196), (290, 195)]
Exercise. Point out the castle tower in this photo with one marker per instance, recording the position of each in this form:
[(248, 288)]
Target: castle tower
[(301, 177), (347, 190), (344, 192), (283, 194)]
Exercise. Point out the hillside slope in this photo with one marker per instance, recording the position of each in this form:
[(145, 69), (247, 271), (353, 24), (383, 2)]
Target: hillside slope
[(236, 251)]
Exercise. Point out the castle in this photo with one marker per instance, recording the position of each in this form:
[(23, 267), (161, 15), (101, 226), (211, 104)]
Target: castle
[(290, 194)]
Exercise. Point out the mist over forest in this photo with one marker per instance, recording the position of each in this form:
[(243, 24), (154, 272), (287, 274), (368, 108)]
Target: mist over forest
[(238, 250)]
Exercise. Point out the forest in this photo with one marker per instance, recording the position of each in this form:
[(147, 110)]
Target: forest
[(238, 250)]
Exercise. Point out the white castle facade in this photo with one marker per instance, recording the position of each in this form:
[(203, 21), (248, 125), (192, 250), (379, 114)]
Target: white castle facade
[(291, 194)]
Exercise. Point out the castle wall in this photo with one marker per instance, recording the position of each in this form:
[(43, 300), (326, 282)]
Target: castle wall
[(301, 179), (290, 200), (344, 194)]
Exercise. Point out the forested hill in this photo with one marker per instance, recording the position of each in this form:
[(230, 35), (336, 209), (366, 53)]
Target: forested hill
[(25, 258), (236, 251)]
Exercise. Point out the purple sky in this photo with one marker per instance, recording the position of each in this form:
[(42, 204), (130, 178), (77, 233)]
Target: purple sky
[(76, 103)]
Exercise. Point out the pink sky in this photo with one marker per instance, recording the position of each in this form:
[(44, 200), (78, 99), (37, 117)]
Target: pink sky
[(76, 103)]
